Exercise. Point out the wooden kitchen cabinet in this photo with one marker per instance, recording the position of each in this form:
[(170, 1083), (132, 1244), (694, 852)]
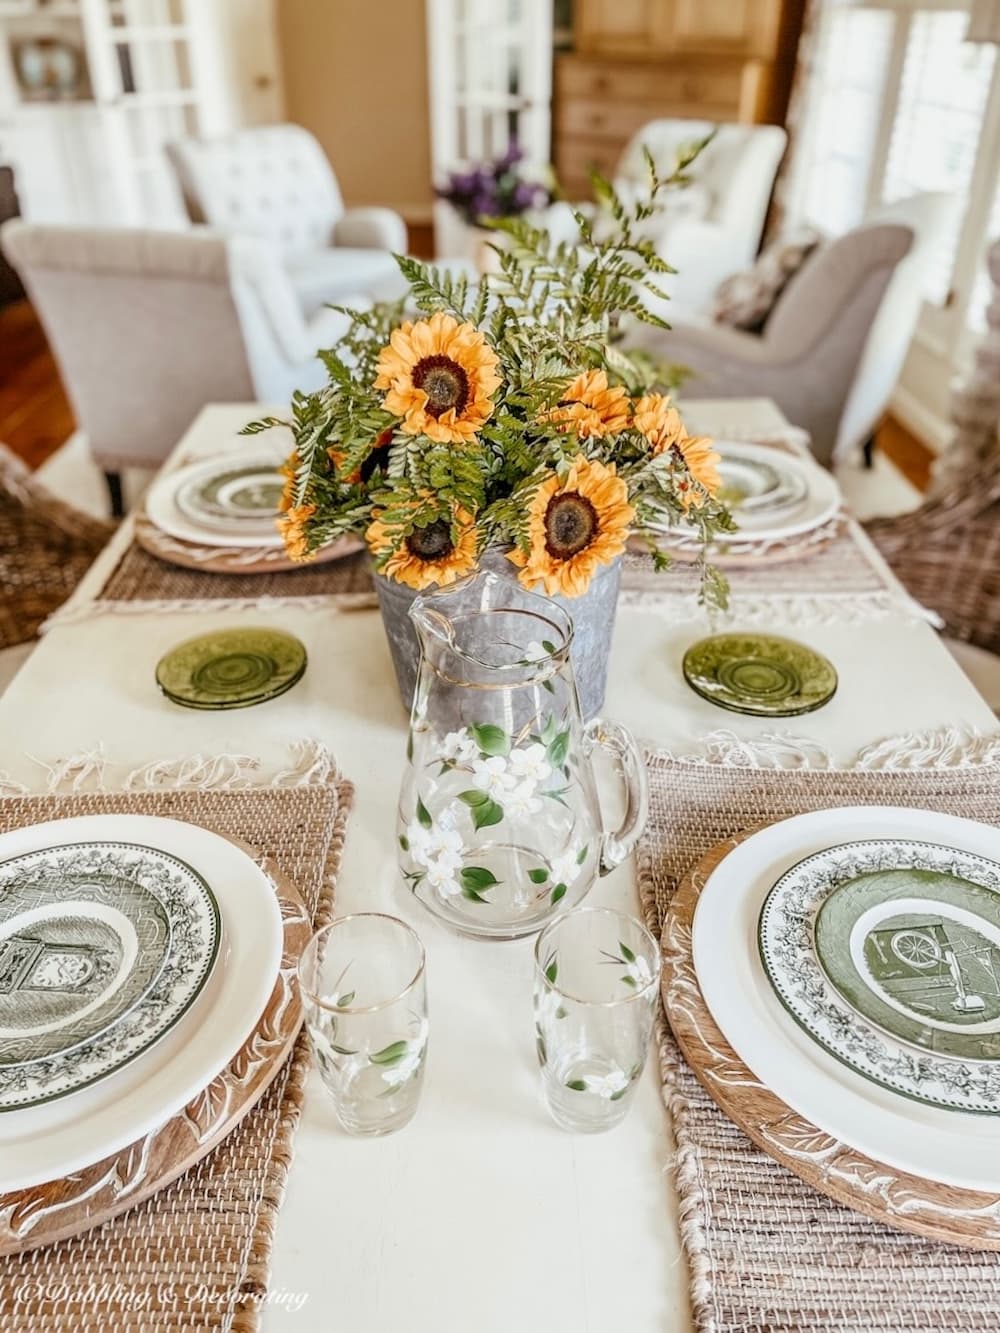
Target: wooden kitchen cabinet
[(641, 60)]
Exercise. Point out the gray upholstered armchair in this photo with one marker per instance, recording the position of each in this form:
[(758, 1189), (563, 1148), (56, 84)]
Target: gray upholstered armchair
[(148, 327), (833, 346), (275, 182)]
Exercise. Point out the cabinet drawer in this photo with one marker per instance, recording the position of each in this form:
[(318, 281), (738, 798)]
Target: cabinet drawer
[(618, 81), (575, 157), (656, 90)]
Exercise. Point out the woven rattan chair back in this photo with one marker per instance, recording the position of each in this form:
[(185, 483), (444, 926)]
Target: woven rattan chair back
[(947, 553), (45, 549)]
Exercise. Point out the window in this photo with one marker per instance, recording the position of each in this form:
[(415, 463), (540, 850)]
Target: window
[(982, 287), (896, 106), (936, 128), (845, 103)]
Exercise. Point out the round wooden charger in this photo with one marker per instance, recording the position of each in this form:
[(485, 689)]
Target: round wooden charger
[(906, 1202), (230, 559), (746, 556), (63, 1208)]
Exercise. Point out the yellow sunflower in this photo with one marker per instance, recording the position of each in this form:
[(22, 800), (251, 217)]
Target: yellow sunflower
[(574, 526), (702, 462), (660, 422), (288, 470), (292, 526), (591, 407), (440, 376), (428, 554)]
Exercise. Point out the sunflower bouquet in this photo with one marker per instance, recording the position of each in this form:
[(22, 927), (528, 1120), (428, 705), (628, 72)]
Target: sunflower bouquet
[(505, 414)]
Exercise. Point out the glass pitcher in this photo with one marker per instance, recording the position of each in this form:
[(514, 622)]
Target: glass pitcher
[(500, 826)]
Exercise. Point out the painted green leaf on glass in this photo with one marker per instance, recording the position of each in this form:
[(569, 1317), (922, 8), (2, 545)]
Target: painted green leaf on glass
[(423, 815), (485, 810), (390, 1055), (478, 878), (558, 892), (491, 740), (577, 1084), (559, 749), (538, 876)]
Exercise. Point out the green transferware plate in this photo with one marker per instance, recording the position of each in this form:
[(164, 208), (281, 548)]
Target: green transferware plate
[(887, 953), (917, 953), (759, 674), (250, 492), (231, 668)]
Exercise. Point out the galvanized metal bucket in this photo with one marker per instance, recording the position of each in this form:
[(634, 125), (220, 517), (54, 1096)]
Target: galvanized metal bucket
[(593, 617)]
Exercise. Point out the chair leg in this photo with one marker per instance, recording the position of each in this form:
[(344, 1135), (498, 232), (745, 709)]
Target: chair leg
[(868, 451), (114, 480)]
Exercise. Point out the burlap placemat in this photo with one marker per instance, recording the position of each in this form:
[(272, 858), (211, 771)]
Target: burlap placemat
[(196, 1255), (141, 577), (766, 1253), (842, 566)]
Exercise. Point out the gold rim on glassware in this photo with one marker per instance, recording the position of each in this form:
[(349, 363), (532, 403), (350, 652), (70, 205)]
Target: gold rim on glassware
[(637, 994), (308, 992)]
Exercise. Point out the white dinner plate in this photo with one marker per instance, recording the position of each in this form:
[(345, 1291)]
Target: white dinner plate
[(47, 1142), (957, 1148), (164, 511), (821, 502)]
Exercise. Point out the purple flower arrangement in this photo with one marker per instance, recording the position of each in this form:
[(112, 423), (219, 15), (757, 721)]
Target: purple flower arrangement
[(494, 190)]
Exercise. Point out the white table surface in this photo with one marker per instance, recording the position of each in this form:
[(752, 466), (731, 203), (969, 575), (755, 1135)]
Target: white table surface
[(480, 1215)]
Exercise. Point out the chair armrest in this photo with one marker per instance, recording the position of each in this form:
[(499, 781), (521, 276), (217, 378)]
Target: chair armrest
[(723, 362), (371, 229)]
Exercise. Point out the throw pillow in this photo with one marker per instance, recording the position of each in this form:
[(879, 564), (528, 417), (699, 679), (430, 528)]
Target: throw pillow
[(745, 300)]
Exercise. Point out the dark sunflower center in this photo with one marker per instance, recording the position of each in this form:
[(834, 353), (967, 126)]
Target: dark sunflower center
[(444, 382), (570, 525), (431, 543)]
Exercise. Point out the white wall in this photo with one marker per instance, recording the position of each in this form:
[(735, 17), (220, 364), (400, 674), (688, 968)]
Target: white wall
[(355, 74)]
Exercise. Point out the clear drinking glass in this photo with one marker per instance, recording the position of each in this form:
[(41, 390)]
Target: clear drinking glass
[(365, 998), (596, 979)]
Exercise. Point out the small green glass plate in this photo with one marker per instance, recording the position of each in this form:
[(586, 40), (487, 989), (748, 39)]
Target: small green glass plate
[(231, 669), (761, 675)]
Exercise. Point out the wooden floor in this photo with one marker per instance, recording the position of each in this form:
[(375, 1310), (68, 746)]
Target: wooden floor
[(35, 415), (36, 418)]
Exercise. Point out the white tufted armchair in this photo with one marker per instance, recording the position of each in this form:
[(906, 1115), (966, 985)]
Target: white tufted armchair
[(148, 327), (275, 182), (713, 227)]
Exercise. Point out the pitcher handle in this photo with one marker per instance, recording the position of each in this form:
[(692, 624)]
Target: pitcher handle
[(615, 847)]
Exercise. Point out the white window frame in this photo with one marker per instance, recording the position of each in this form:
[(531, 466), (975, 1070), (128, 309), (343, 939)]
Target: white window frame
[(943, 329)]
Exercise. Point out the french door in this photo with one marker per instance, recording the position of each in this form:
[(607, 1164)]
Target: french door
[(490, 66), (147, 70)]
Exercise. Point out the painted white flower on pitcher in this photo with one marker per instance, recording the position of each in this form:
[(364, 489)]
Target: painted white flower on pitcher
[(523, 801), (459, 747), (438, 845), (441, 878), (565, 867), (492, 776), (529, 763)]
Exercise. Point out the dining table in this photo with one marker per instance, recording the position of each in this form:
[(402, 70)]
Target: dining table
[(481, 1214)]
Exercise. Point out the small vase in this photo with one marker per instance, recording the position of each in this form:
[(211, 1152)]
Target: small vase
[(593, 617)]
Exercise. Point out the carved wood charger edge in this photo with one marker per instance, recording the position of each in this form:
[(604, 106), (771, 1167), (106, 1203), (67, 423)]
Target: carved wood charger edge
[(60, 1209), (895, 1198), (230, 559)]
